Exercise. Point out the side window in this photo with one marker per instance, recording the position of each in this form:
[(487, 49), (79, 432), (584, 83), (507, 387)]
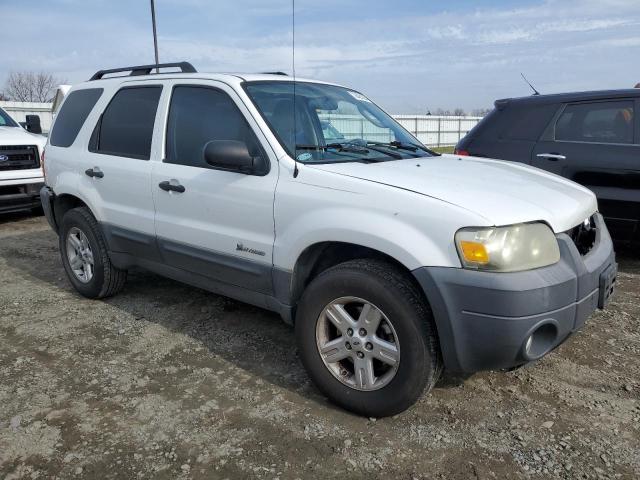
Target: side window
[(528, 122), (125, 129), (601, 122), (199, 115), (72, 115)]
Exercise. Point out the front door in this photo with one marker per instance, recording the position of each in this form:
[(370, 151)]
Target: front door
[(595, 145), (213, 222)]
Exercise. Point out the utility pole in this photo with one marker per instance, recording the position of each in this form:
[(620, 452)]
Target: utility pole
[(155, 35)]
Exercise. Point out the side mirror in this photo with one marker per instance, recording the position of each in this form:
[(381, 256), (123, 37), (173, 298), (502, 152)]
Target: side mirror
[(229, 155), (32, 124)]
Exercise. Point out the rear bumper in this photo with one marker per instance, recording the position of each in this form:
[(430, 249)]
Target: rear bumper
[(485, 319), (15, 198)]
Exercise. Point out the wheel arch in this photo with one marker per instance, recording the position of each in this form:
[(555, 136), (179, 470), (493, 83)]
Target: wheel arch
[(321, 256), (65, 202)]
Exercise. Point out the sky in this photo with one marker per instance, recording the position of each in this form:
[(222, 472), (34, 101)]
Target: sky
[(409, 56)]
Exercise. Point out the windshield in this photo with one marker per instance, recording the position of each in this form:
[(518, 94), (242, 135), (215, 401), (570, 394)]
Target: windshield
[(332, 124), (6, 120)]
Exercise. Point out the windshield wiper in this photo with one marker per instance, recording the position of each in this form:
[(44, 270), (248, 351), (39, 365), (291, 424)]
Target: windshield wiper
[(343, 147), (412, 147), (348, 148)]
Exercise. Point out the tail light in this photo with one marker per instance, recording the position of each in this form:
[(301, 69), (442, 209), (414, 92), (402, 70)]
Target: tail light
[(463, 153)]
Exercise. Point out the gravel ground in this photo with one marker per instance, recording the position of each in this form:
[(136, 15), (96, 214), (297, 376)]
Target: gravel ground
[(168, 381)]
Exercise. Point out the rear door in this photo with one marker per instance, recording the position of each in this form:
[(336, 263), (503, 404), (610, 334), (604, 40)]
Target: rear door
[(595, 144), (509, 132), (219, 224), (116, 170)]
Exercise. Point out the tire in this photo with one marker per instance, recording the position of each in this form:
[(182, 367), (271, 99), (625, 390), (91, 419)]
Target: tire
[(413, 337), (105, 279)]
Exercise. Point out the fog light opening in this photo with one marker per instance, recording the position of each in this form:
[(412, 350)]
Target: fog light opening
[(527, 345), (541, 341)]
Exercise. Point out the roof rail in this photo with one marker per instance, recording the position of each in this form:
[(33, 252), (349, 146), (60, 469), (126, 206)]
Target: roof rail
[(275, 73), (186, 67)]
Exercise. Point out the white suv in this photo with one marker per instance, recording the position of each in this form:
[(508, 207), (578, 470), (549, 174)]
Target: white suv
[(20, 172), (392, 261)]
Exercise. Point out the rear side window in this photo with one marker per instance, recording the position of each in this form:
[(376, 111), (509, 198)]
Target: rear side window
[(199, 115), (126, 126), (528, 122), (598, 122), (72, 115)]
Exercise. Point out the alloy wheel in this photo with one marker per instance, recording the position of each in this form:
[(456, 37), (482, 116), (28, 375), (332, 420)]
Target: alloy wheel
[(80, 255), (357, 343)]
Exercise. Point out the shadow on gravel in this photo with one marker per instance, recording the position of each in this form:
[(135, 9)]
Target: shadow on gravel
[(18, 216), (251, 338)]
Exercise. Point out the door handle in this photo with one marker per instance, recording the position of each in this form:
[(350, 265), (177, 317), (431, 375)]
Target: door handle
[(554, 157), (171, 187), (94, 172)]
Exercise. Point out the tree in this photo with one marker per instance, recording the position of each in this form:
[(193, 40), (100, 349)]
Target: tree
[(480, 112), (459, 112), (3, 97), (31, 86)]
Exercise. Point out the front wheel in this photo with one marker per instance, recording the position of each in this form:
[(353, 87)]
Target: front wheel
[(367, 338)]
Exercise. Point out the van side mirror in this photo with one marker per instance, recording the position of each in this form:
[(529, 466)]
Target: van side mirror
[(229, 155), (32, 124)]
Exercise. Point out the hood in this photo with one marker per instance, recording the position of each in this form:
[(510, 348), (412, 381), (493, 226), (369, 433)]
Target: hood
[(502, 192), (19, 136)]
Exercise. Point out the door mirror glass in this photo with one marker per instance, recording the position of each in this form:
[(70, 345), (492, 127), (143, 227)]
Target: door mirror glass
[(229, 155), (32, 124)]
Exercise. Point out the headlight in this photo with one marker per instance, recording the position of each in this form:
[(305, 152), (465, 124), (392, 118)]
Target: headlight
[(507, 249)]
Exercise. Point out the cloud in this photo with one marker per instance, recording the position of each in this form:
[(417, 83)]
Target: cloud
[(409, 55)]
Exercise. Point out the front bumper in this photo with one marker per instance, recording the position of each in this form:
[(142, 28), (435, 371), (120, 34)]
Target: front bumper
[(484, 319), (15, 198)]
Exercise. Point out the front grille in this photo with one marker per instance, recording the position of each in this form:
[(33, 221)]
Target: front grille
[(19, 157), (584, 235)]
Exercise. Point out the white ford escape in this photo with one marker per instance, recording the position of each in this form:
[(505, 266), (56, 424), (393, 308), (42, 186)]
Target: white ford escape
[(392, 261)]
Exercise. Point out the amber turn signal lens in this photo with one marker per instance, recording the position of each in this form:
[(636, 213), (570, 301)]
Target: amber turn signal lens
[(474, 252)]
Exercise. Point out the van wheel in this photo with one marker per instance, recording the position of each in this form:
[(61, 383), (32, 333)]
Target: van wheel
[(367, 338), (85, 257)]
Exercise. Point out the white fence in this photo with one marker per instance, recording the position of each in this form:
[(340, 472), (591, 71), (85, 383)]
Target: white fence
[(19, 111), (435, 130), (432, 130)]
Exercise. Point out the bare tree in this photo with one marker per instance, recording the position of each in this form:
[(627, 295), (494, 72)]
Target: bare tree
[(459, 112), (480, 112), (3, 97), (31, 86)]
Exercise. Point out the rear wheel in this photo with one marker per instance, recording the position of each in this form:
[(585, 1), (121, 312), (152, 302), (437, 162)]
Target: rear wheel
[(85, 257), (367, 338)]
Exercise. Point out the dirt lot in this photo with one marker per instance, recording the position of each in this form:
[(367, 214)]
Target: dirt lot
[(168, 381)]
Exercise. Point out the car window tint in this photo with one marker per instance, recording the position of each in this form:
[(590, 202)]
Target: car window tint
[(126, 126), (199, 115), (528, 122), (601, 122), (72, 115)]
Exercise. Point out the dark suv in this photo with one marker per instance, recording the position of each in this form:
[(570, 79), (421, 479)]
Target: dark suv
[(592, 138)]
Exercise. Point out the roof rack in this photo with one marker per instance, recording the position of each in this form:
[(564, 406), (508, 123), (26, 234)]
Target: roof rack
[(275, 73), (186, 67)]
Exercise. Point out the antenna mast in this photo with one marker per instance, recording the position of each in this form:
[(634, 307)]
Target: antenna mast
[(155, 36), (293, 67), (535, 92)]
